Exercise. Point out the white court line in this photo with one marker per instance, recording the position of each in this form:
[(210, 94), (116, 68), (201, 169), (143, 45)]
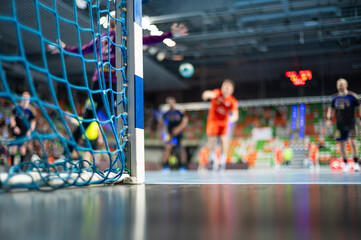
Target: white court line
[(255, 177)]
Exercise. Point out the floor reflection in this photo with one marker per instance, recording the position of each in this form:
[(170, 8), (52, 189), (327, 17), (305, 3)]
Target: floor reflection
[(254, 212), (184, 212)]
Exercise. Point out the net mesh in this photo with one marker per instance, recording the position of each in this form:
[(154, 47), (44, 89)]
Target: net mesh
[(78, 132)]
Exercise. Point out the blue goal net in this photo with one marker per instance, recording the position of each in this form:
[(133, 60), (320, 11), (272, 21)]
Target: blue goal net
[(63, 93)]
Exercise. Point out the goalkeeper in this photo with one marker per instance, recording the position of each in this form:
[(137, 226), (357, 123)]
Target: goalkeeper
[(176, 31)]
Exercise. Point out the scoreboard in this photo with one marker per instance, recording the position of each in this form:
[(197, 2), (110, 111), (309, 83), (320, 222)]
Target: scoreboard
[(300, 78)]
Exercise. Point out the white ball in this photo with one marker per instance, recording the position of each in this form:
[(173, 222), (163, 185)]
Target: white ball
[(186, 70)]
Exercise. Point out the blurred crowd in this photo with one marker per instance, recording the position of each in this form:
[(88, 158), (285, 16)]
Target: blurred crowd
[(48, 148)]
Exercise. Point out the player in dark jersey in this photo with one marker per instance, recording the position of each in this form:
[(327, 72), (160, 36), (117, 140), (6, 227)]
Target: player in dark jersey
[(176, 122), (22, 123), (344, 103)]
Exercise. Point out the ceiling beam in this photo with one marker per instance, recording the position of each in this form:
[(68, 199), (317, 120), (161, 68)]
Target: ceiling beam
[(269, 30), (272, 56), (245, 8), (253, 2), (289, 14), (247, 44)]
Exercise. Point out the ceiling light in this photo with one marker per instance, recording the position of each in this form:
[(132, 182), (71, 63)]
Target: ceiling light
[(177, 57), (152, 50), (103, 20), (154, 31), (161, 56), (82, 4), (169, 42), (145, 22), (152, 28)]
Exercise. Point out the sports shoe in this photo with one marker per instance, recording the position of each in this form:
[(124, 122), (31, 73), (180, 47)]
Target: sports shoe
[(202, 168), (356, 167), (166, 169), (62, 158), (182, 169), (35, 158), (346, 168)]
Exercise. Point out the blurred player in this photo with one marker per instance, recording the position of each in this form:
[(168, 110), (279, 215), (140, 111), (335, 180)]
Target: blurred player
[(313, 156), (224, 109), (344, 103), (95, 137), (287, 155), (22, 123), (3, 135), (176, 31), (175, 121), (278, 157)]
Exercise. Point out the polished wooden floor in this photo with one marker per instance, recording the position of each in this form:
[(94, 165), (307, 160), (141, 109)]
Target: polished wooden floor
[(188, 210)]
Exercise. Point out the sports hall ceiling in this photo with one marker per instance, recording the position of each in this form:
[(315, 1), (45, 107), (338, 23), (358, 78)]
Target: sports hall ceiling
[(241, 38), (251, 41)]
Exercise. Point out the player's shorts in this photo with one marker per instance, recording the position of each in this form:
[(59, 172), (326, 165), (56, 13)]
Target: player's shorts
[(216, 128), (345, 132), (94, 144), (22, 134)]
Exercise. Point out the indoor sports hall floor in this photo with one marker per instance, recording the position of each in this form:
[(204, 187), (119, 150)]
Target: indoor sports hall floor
[(235, 204)]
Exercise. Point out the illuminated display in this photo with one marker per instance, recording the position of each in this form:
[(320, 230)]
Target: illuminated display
[(302, 121), (294, 120), (300, 78), (298, 119)]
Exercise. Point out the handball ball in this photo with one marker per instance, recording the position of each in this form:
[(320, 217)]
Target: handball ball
[(186, 70)]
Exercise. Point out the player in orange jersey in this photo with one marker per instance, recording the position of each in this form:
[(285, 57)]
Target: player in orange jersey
[(224, 109), (278, 157), (313, 156)]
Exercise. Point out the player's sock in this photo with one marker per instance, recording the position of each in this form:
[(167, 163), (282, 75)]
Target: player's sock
[(214, 160), (213, 155), (223, 161), (356, 166), (22, 158), (223, 158), (12, 157)]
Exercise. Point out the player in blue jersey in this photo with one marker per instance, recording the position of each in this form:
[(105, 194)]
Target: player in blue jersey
[(344, 103), (176, 122), (22, 123)]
